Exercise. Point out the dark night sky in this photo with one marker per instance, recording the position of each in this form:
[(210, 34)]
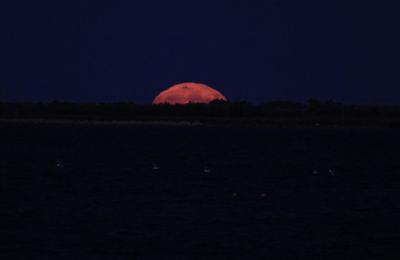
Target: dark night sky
[(106, 51)]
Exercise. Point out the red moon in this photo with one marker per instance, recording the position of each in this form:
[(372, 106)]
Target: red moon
[(188, 92)]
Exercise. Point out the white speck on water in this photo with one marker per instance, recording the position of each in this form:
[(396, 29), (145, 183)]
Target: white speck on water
[(332, 172), (206, 170), (316, 172), (60, 164), (156, 167)]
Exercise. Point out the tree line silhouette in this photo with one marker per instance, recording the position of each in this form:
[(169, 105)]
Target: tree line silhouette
[(313, 110)]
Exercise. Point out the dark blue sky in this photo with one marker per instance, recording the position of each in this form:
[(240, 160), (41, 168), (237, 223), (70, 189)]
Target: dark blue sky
[(106, 51)]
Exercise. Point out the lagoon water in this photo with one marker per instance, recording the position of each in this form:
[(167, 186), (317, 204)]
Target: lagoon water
[(92, 192)]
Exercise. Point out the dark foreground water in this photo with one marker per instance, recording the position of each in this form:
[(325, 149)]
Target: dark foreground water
[(261, 198)]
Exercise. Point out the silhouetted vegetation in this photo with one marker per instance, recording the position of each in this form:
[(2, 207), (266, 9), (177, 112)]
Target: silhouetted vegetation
[(313, 112)]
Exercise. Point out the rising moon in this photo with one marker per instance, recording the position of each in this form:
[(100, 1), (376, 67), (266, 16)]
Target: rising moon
[(189, 92)]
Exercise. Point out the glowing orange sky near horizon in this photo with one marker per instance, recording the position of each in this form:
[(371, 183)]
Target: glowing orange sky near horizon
[(189, 92)]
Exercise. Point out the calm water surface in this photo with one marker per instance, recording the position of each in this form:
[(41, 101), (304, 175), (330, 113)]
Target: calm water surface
[(90, 192)]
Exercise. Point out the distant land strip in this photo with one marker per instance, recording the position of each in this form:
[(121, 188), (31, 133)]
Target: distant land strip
[(222, 122), (314, 113), (99, 122)]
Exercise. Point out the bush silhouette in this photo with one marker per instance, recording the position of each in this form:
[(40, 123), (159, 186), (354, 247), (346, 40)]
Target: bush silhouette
[(267, 111)]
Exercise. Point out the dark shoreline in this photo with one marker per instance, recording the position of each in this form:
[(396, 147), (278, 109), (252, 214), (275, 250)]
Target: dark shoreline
[(224, 122), (99, 122), (283, 114)]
